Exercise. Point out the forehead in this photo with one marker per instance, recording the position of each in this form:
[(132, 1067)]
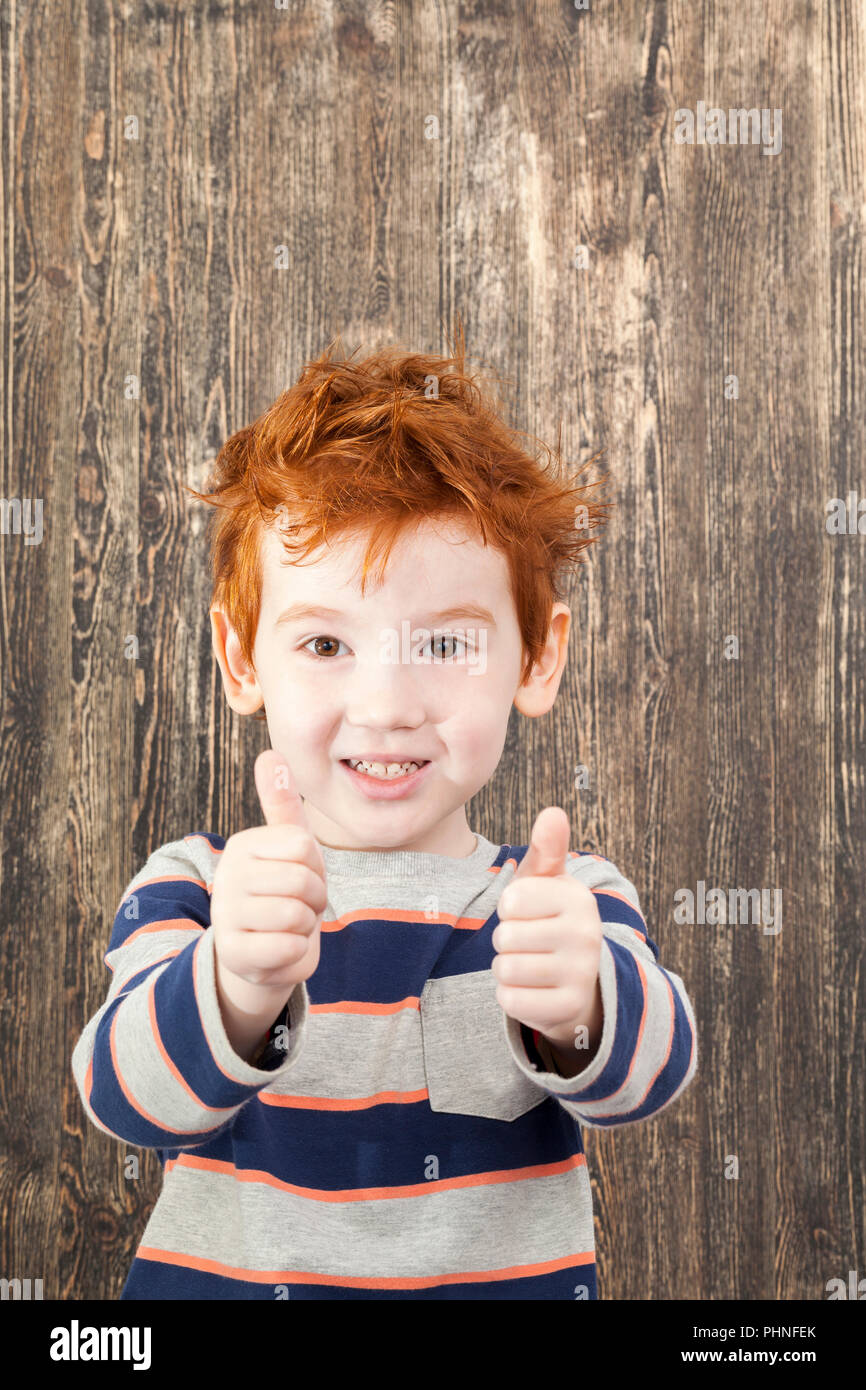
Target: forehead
[(445, 558)]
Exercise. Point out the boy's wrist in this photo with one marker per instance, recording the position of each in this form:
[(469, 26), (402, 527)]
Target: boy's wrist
[(570, 1059), (248, 1011), (270, 1046)]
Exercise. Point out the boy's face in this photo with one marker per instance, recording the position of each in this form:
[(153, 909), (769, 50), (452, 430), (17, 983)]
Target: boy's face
[(382, 675)]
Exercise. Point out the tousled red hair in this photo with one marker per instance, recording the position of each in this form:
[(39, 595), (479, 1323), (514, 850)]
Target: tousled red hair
[(376, 446)]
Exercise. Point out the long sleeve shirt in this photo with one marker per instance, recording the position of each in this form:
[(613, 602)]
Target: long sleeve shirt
[(400, 1136)]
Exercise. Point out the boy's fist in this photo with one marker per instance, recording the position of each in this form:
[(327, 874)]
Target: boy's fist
[(268, 894), (548, 938)]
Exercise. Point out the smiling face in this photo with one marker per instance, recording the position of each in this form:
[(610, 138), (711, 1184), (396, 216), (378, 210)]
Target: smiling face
[(386, 674)]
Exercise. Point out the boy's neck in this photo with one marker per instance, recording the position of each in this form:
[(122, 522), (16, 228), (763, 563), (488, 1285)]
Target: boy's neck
[(454, 839)]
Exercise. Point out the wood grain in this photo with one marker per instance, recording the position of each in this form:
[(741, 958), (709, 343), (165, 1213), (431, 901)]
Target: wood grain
[(154, 258)]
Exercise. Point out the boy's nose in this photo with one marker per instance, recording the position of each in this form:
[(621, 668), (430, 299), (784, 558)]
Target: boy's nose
[(386, 695)]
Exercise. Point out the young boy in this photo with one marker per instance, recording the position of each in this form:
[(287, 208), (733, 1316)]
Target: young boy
[(362, 1037)]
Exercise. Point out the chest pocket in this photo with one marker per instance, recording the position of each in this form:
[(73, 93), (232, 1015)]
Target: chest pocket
[(468, 1064)]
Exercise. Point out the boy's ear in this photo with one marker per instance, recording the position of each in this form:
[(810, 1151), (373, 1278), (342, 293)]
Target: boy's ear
[(239, 679), (538, 692)]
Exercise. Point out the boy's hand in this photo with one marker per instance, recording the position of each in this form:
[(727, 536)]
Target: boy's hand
[(268, 897), (548, 939)]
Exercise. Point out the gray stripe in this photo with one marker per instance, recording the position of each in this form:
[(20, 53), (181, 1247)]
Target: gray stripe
[(490, 1226)]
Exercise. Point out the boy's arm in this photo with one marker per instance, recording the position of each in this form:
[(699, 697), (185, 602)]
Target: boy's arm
[(154, 1066), (646, 1053)]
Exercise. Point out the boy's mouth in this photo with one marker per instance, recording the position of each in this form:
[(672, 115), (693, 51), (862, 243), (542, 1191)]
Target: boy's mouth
[(385, 781)]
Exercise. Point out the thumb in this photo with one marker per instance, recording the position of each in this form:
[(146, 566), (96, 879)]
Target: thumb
[(279, 798), (548, 845)]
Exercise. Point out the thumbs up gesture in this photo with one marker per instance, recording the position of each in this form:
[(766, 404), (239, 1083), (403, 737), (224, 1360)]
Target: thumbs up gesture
[(267, 899), (548, 941)]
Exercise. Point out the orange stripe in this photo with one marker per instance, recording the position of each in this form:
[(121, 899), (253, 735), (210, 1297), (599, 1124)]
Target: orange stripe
[(670, 1043), (297, 1276), (164, 878), (360, 1006), (380, 915), (342, 1196), (351, 1103)]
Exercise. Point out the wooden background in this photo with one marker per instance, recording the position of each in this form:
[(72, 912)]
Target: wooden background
[(305, 128)]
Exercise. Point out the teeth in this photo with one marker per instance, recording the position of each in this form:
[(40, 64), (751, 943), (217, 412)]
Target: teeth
[(383, 770)]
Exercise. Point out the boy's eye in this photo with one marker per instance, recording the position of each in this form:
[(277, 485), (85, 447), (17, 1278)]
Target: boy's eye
[(450, 637), (326, 655)]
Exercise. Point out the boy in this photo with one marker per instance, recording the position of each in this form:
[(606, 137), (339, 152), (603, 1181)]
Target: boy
[(361, 1037)]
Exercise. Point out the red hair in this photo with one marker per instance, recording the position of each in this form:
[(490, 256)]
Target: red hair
[(377, 446)]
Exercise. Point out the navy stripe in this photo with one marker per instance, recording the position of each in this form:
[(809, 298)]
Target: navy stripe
[(151, 1279), (613, 909), (329, 1150), (156, 902)]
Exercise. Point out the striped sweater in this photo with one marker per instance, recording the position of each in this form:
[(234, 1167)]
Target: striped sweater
[(400, 1136)]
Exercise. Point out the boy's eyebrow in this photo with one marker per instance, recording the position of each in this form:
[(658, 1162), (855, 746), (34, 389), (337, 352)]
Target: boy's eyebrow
[(296, 611)]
